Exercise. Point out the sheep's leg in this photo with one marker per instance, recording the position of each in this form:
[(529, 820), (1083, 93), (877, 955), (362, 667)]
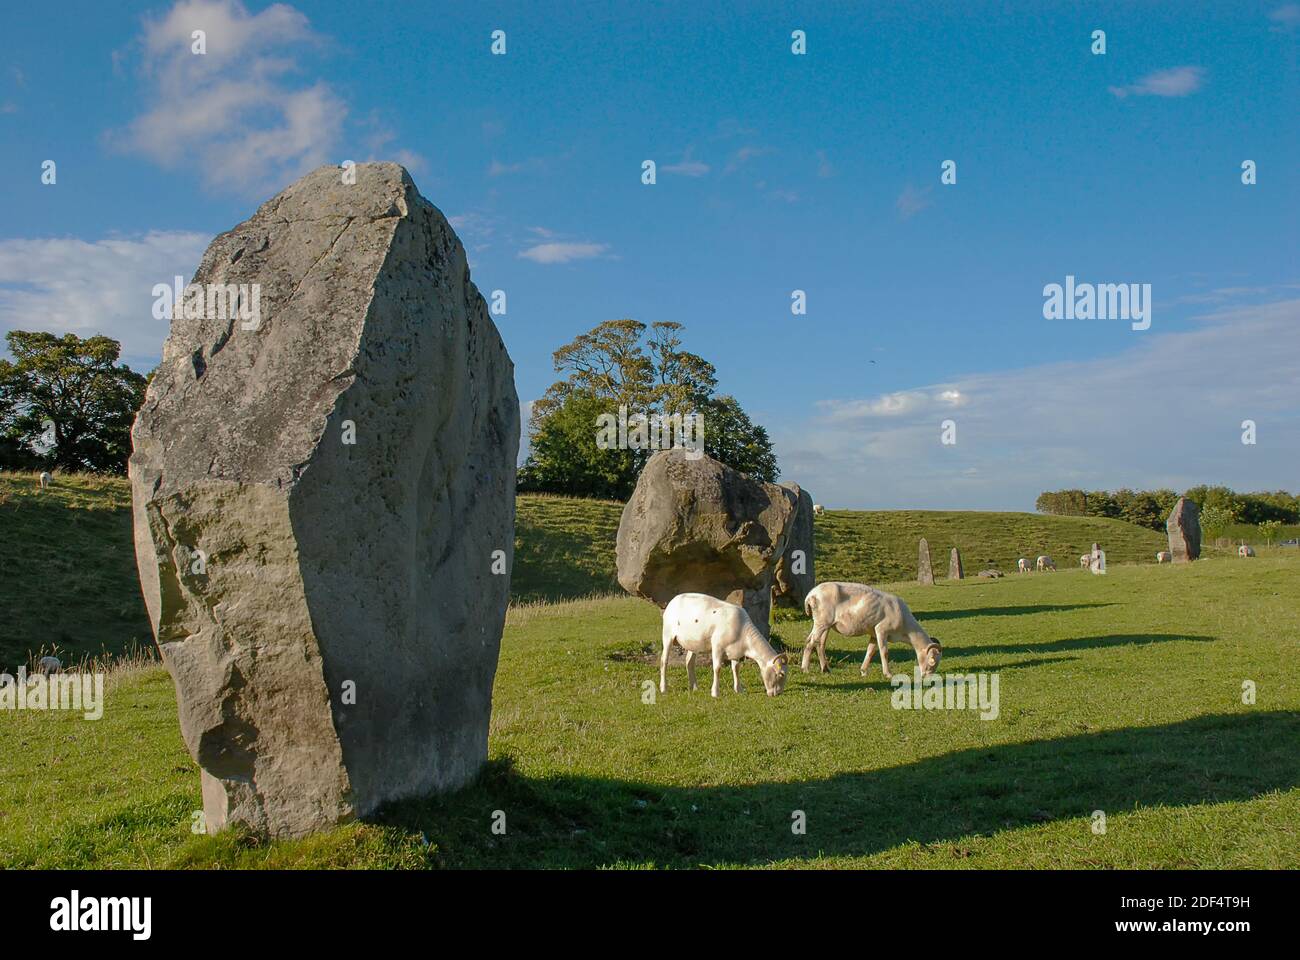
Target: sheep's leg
[(735, 676), (690, 668), (882, 641), (663, 663), (717, 665), (818, 635), (821, 652), (866, 661)]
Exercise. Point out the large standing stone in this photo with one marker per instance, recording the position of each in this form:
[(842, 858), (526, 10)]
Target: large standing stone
[(319, 501), (694, 525), (795, 572), (924, 570), (954, 565), (1184, 528)]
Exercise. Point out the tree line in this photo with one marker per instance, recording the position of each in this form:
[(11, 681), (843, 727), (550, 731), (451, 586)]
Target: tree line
[(1150, 508)]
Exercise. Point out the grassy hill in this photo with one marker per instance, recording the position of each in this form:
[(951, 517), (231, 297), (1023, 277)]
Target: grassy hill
[(68, 582), (1120, 694)]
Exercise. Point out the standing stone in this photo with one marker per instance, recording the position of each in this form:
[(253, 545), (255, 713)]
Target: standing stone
[(694, 525), (954, 565), (1184, 528), (320, 496), (924, 572), (795, 573)]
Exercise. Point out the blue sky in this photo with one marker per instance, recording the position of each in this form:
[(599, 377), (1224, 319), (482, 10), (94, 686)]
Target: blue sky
[(776, 172)]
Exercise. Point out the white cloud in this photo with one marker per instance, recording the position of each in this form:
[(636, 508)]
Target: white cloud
[(912, 201), (563, 252), (66, 285), (688, 166), (1166, 412), (1174, 82), (239, 112)]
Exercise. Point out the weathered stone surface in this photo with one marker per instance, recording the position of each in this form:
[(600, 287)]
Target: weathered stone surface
[(790, 587), (1184, 528), (697, 526), (328, 609), (954, 565), (924, 570), (989, 574)]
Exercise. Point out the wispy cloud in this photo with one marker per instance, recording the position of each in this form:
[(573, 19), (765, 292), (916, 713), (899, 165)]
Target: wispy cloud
[(66, 285), (1287, 16), (564, 252), (744, 155), (912, 201), (1133, 419), (688, 166), (236, 112), (1174, 82)]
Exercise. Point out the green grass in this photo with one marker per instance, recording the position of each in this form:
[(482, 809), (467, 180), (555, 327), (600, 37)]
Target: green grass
[(67, 569), (1119, 693)]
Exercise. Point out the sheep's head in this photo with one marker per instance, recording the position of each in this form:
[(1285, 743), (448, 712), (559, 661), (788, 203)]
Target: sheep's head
[(774, 674), (930, 657)]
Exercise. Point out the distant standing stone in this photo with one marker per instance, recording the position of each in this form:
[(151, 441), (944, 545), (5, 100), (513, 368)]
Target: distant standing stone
[(924, 572), (954, 565), (1184, 527)]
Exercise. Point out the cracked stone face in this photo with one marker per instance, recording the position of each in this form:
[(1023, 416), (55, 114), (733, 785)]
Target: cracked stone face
[(1184, 529), (318, 501), (795, 575)]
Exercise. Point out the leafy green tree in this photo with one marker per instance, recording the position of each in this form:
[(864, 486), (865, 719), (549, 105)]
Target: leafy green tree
[(646, 370), (1269, 529), (1214, 520), (70, 399)]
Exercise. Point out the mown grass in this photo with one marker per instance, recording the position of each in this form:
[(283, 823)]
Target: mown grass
[(1120, 694)]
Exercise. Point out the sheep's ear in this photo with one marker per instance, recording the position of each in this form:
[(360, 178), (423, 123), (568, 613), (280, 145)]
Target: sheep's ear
[(783, 659)]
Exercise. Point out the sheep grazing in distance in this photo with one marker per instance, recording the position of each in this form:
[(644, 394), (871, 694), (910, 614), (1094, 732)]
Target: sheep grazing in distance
[(702, 624), (1245, 551), (818, 509), (1022, 565), (1163, 557), (46, 480), (855, 610), (49, 665), (1045, 563), (1084, 560)]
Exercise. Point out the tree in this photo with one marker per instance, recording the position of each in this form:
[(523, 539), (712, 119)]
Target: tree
[(626, 368), (1269, 529), (69, 399), (1214, 520)]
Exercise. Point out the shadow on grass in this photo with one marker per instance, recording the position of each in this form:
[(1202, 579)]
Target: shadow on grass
[(880, 683), (1007, 611), (585, 822), (1075, 643)]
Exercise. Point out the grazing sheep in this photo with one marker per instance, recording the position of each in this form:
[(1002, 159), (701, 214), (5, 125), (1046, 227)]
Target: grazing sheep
[(1245, 551), (702, 624), (855, 610), (1163, 557), (1084, 560), (1045, 563), (46, 480), (818, 509), (49, 665), (1022, 565)]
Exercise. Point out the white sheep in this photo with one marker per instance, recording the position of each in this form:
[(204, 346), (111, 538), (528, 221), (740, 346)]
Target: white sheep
[(1163, 557), (1084, 560), (855, 610), (49, 665), (818, 509), (1022, 565), (702, 624), (1045, 563), (46, 480), (1245, 551)]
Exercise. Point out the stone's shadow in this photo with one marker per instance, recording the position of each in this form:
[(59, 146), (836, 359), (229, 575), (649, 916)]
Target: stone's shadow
[(1006, 611), (1076, 643), (881, 684), (589, 822)]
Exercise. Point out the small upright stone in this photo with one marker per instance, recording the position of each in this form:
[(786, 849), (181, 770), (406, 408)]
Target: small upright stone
[(954, 565), (795, 571), (924, 572), (1184, 528)]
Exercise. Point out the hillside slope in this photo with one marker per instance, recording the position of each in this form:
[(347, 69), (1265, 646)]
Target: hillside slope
[(68, 581)]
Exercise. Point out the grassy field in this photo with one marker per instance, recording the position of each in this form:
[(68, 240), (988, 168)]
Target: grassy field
[(1120, 694), (86, 600)]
